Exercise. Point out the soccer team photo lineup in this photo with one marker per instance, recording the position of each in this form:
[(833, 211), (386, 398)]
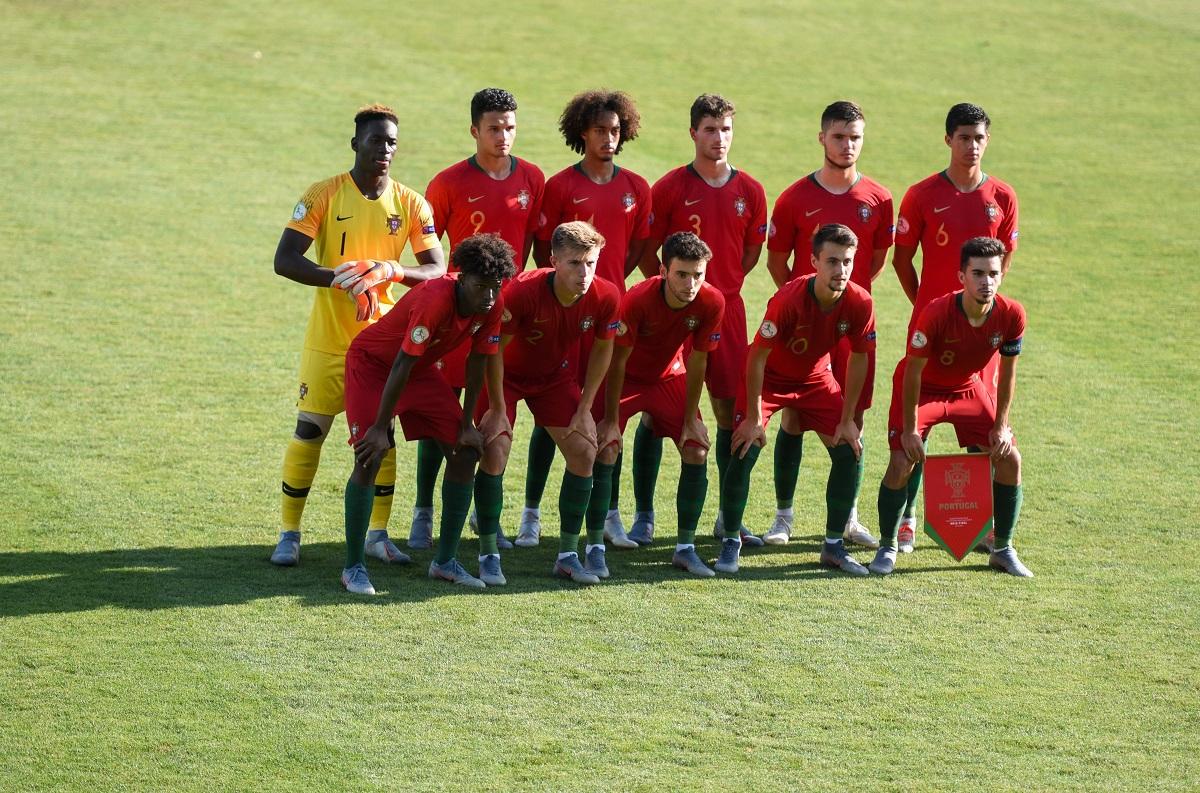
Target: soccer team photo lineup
[(598, 298)]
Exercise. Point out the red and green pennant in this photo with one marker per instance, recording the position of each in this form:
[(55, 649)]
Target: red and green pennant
[(958, 500)]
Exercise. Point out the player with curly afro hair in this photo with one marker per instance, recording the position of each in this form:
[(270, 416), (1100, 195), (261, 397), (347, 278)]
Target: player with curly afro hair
[(585, 109)]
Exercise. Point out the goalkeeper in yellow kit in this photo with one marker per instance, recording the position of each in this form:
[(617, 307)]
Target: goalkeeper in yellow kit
[(360, 222)]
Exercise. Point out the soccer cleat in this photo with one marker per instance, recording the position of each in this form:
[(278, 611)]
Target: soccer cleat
[(727, 562), (420, 534), (834, 554), (287, 550), (748, 538), (490, 572), (455, 573), (355, 580), (596, 564), (569, 567), (988, 543), (614, 531), (1005, 560), (780, 531), (380, 546), (858, 534), (884, 562), (906, 534), (502, 542), (529, 534), (643, 528), (689, 560)]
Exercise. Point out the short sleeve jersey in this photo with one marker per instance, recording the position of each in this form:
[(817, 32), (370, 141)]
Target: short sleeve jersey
[(729, 219), (800, 333), (544, 330), (619, 209), (805, 206), (426, 323), (346, 227), (466, 201), (939, 218), (658, 333), (957, 351)]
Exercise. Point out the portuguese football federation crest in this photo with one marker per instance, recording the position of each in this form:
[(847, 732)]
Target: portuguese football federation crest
[(995, 339), (958, 501), (692, 321), (864, 213), (587, 322), (739, 206), (523, 199), (993, 212), (627, 201), (393, 222), (843, 326)]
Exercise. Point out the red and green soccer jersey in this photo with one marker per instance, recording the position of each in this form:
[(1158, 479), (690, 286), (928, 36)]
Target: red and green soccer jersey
[(619, 209), (939, 218), (466, 201), (800, 333), (426, 323), (544, 330), (729, 219), (658, 333), (957, 351), (805, 206)]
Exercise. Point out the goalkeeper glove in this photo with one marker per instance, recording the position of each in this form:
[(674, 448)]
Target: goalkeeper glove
[(357, 277), (367, 305)]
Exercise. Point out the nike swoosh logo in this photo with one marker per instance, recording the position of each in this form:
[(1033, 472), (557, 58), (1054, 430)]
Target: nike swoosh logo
[(937, 210), (537, 321), (471, 200), (579, 200), (810, 214), (952, 341), (689, 203), (339, 217)]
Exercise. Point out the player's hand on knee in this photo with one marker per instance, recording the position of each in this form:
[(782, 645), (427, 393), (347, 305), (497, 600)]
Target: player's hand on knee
[(1001, 441), (848, 433), (913, 448), (583, 425), (370, 448), (608, 434), (469, 438), (747, 433), (494, 424), (695, 433)]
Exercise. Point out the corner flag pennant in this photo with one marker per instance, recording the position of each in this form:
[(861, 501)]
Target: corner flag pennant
[(958, 500)]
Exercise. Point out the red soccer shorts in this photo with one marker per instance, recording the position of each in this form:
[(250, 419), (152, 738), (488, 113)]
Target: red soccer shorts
[(726, 372), (663, 402), (817, 405), (839, 357), (427, 407), (971, 409), (552, 402)]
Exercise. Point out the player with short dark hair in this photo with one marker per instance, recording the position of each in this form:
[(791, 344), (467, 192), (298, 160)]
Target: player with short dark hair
[(837, 193), (391, 371), (939, 214), (490, 192), (662, 319), (361, 222), (726, 208), (951, 343), (788, 368), (616, 202), (546, 312)]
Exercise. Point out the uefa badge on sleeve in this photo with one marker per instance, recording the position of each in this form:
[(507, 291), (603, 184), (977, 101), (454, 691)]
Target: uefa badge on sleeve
[(958, 501)]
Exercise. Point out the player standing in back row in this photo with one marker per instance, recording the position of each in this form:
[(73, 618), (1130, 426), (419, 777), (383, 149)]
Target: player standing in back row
[(727, 209), (837, 193), (616, 202), (940, 213), (490, 192), (359, 220)]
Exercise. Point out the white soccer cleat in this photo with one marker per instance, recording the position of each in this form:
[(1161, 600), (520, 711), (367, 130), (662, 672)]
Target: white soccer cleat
[(355, 580), (529, 534), (614, 531), (780, 531), (906, 535), (857, 533), (380, 546), (287, 551)]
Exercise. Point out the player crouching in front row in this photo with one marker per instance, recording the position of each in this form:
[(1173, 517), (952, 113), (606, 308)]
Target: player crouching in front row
[(659, 317), (939, 381), (788, 369), (390, 372)]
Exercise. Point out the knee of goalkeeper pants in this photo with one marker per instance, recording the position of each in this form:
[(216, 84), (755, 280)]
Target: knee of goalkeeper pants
[(312, 427)]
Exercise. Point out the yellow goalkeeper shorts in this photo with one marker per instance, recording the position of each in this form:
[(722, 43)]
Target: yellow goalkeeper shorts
[(322, 383)]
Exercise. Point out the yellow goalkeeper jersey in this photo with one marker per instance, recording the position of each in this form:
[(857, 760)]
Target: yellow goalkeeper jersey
[(345, 227)]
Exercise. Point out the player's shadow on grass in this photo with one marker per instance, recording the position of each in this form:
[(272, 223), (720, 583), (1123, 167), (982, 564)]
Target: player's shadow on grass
[(49, 582)]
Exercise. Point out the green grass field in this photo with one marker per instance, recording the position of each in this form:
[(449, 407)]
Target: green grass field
[(152, 154)]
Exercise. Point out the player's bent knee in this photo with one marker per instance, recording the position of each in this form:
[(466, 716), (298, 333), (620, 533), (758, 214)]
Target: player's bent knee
[(460, 465), (312, 427), (694, 455), (608, 455)]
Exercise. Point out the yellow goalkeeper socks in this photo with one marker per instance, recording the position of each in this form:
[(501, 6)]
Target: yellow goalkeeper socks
[(385, 486), (299, 469)]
